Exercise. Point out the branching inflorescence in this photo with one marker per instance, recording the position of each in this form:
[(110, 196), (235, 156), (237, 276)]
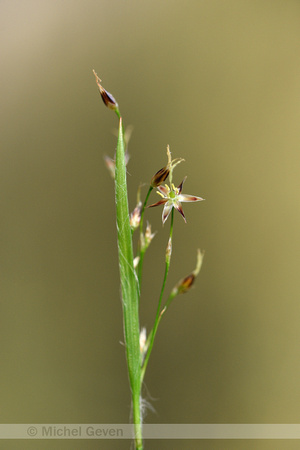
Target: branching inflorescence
[(138, 345)]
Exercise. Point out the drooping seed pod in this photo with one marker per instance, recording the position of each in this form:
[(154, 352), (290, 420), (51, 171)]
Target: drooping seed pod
[(107, 98)]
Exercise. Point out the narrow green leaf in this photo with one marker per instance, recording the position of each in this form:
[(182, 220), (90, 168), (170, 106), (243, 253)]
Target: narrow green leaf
[(129, 284)]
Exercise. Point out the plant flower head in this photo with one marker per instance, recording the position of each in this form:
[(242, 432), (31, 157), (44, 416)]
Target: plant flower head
[(162, 174), (107, 98), (172, 198), (186, 283), (135, 217)]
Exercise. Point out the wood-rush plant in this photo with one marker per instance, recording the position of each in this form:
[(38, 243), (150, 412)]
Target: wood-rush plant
[(138, 346)]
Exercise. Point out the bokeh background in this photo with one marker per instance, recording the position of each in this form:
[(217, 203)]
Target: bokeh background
[(219, 81)]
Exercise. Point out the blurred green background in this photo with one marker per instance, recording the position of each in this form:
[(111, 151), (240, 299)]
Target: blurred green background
[(220, 82)]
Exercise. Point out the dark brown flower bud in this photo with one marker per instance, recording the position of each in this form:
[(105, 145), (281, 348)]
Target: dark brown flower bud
[(107, 98), (163, 173), (160, 177), (186, 284)]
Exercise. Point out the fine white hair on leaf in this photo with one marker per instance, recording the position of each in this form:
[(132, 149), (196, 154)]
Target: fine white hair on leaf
[(145, 406)]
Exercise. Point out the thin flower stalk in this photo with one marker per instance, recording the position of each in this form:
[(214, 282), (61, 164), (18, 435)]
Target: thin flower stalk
[(184, 285), (157, 320), (181, 287)]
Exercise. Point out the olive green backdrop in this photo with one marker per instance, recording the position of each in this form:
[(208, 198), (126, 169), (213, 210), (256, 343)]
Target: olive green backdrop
[(219, 82)]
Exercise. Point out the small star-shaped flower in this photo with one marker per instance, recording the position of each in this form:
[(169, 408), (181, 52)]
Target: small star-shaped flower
[(172, 198)]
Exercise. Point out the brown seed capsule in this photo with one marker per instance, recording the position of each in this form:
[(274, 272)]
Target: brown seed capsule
[(186, 284), (163, 173), (107, 98), (160, 176)]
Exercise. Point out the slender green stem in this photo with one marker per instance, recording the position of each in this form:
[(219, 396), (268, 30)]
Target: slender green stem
[(168, 302), (130, 298), (157, 318), (161, 314), (120, 118)]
